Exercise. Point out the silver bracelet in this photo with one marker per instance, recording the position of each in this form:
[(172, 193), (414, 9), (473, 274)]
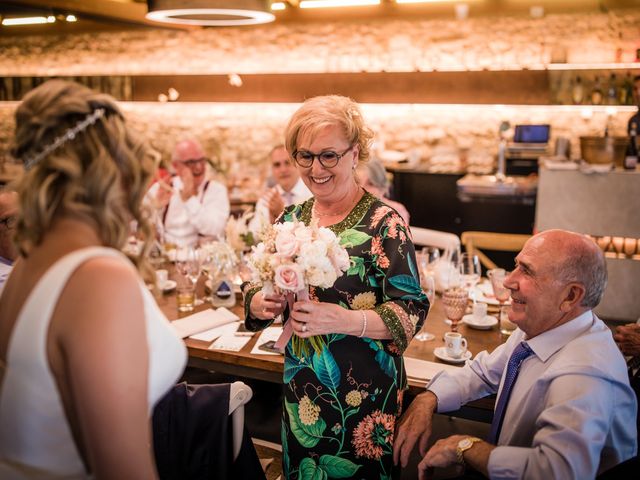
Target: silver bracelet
[(364, 323)]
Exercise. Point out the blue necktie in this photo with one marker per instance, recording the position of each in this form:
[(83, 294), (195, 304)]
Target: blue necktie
[(519, 354)]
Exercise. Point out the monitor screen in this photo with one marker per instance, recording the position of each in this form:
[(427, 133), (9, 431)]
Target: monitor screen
[(532, 134)]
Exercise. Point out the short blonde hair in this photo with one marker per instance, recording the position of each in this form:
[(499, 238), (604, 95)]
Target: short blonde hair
[(99, 176), (318, 113)]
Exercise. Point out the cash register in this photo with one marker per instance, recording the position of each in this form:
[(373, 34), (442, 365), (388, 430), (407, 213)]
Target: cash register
[(530, 142)]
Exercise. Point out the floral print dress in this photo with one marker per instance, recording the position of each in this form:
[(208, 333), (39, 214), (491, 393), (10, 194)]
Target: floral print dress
[(342, 398)]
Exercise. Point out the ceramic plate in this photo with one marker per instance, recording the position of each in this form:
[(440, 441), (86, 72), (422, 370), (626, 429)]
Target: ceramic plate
[(485, 324), (484, 294), (441, 353), (168, 285)]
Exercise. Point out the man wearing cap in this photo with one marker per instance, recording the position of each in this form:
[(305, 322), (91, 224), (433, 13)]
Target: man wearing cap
[(564, 406), (189, 205)]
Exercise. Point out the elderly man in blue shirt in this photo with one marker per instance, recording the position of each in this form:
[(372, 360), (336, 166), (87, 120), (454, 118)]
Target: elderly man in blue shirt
[(564, 407)]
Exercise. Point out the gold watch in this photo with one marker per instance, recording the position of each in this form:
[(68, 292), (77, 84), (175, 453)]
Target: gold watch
[(464, 445)]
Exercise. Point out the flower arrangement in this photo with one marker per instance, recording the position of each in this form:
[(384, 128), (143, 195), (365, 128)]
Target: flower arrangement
[(237, 233), (293, 256)]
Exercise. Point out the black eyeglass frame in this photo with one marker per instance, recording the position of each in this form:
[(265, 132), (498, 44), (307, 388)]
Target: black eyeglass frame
[(294, 155), (8, 222), (194, 162)]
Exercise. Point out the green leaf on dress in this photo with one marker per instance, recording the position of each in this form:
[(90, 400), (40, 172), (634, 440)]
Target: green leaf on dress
[(290, 370), (327, 369), (386, 363), (307, 435), (337, 467), (412, 267), (357, 267), (310, 471), (406, 283), (352, 237)]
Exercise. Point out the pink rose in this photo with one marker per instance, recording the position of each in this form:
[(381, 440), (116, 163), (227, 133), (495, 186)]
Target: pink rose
[(286, 244), (289, 277)]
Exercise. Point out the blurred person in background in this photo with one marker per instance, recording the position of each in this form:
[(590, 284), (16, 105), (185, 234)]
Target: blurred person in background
[(373, 178), (8, 253), (635, 118), (289, 189), (85, 352), (344, 369), (189, 205)]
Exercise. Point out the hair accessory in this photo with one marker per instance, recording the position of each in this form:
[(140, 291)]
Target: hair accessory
[(70, 134)]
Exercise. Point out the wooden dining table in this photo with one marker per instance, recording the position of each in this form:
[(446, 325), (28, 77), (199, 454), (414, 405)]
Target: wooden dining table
[(270, 367)]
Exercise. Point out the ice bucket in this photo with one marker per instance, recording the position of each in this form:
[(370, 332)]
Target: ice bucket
[(602, 150)]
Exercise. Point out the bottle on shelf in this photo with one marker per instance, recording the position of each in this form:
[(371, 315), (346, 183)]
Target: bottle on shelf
[(631, 156), (612, 90), (577, 91), (596, 95), (625, 93)]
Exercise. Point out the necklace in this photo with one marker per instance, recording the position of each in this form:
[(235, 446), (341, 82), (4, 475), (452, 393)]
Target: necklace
[(315, 213)]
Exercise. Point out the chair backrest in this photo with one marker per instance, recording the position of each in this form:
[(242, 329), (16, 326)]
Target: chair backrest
[(425, 237), (474, 242), (239, 394)]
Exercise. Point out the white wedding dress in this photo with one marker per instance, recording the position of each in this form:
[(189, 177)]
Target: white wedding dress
[(35, 438)]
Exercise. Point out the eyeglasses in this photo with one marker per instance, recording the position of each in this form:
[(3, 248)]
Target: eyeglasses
[(328, 158), (8, 222), (193, 162)]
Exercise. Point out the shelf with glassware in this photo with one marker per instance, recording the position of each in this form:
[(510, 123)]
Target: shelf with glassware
[(506, 87)]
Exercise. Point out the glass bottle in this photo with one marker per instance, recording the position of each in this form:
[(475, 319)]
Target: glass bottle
[(596, 92), (577, 91), (612, 90), (631, 156), (625, 92)]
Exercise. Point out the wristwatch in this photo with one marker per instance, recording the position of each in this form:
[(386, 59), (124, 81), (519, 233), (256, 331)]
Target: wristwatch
[(464, 445)]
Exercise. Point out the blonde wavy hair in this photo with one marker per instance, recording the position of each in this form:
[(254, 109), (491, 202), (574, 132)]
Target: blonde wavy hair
[(318, 113), (100, 176)]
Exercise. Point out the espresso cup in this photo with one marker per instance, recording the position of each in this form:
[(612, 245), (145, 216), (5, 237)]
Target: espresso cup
[(161, 277), (479, 311), (455, 344)]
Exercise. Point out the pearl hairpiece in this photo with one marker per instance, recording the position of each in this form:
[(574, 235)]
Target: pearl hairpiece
[(70, 134)]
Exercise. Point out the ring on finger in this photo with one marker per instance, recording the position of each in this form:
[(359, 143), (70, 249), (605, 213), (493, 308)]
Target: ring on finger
[(304, 327)]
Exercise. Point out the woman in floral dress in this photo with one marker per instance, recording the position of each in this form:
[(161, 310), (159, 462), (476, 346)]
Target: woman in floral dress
[(343, 374)]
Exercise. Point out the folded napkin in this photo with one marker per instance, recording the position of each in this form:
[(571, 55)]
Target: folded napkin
[(204, 320), (423, 370)]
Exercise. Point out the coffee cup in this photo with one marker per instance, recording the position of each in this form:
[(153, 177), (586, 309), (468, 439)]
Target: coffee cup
[(455, 344), (161, 277), (479, 311)]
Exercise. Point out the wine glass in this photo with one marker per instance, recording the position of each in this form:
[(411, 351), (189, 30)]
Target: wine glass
[(454, 301), (189, 263), (470, 272), (429, 287), (502, 294)]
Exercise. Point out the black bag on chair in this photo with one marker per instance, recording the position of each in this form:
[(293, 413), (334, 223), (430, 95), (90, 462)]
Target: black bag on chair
[(192, 436)]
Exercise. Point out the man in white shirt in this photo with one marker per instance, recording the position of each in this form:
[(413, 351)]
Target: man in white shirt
[(289, 189), (570, 413), (190, 206)]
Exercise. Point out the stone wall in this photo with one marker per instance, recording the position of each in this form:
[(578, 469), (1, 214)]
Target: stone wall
[(240, 135)]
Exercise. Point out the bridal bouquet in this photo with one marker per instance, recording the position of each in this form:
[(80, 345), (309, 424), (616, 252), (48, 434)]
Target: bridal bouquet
[(293, 256)]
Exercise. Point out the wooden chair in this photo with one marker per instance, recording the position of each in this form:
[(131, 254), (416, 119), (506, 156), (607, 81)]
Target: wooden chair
[(425, 237), (475, 242)]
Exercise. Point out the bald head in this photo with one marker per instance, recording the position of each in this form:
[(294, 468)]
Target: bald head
[(189, 149), (577, 258)]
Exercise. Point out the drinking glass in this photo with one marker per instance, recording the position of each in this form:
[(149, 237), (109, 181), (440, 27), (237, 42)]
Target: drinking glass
[(502, 294), (454, 301), (429, 287), (189, 264), (470, 272)]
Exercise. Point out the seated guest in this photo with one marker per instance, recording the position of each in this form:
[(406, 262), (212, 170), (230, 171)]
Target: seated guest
[(628, 339), (373, 178), (85, 353), (288, 190), (189, 205), (563, 398), (8, 253)]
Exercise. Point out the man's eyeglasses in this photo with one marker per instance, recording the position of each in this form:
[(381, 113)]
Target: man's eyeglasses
[(327, 159), (8, 222), (194, 162)]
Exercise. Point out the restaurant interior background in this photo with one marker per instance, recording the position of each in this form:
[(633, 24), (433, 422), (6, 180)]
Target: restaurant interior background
[(437, 81)]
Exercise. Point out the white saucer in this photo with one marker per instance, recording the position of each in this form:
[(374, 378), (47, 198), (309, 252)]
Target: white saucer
[(441, 353), (168, 285), (486, 323), (484, 294)]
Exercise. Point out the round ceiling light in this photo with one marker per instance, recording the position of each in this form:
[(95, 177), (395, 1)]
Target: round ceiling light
[(217, 13)]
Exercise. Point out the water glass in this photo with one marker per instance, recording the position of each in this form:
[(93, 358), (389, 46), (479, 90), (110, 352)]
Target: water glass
[(186, 297)]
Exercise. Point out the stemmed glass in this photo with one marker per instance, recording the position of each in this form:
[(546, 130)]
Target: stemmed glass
[(470, 272), (502, 294), (429, 287), (189, 263), (454, 301)]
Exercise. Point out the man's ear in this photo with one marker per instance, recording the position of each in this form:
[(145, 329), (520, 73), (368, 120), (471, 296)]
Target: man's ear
[(573, 294)]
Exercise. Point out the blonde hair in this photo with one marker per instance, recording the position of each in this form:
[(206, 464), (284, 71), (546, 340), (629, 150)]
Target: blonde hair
[(100, 175), (318, 113)]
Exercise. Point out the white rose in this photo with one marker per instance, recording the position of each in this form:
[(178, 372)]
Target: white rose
[(289, 277), (287, 244)]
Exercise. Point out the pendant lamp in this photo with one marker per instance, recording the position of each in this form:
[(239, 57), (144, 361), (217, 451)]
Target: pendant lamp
[(218, 13)]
